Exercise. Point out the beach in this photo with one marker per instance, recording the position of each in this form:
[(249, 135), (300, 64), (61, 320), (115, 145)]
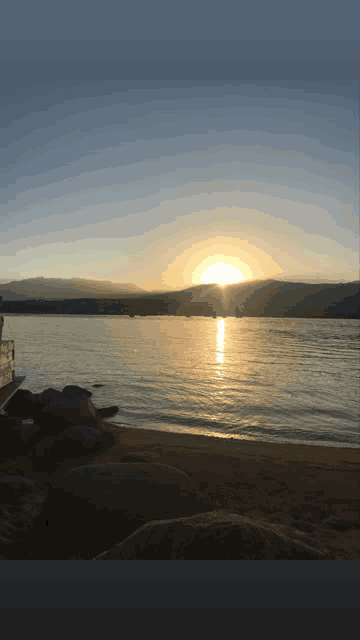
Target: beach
[(310, 488)]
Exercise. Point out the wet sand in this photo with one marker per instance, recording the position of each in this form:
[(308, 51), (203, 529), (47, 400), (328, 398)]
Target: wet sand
[(313, 489)]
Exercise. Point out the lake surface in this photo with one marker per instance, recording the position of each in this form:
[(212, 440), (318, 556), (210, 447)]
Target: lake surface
[(267, 379)]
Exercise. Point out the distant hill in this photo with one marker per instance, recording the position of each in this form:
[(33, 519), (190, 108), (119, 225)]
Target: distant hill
[(271, 298), (255, 298), (59, 288)]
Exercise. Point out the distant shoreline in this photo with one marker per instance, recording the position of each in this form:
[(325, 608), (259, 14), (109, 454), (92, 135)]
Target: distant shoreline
[(174, 315)]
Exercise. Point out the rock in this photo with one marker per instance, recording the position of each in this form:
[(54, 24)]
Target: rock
[(98, 385), (214, 536), (108, 412), (15, 437), (28, 433), (26, 404), (74, 446), (48, 394), (7, 421), (94, 505), (1, 326), (21, 404), (21, 507), (15, 488), (64, 410)]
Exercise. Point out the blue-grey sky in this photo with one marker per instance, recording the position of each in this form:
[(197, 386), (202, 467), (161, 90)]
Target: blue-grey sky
[(151, 181), (186, 20)]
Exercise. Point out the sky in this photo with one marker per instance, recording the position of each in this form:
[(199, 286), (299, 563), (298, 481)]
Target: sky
[(151, 181)]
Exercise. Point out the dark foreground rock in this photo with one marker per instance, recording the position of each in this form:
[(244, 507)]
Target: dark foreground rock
[(92, 505), (215, 536), (64, 411), (77, 445), (22, 404), (14, 488), (21, 505), (16, 438)]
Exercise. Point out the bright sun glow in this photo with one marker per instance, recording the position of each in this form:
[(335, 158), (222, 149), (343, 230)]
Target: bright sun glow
[(221, 273)]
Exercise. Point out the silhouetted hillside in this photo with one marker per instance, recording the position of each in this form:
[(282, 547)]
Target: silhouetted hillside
[(271, 298), (266, 298), (59, 288)]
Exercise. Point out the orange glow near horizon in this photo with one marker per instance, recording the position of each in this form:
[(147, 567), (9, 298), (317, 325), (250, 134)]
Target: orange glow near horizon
[(221, 273)]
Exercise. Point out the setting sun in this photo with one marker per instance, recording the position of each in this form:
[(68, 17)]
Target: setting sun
[(221, 273)]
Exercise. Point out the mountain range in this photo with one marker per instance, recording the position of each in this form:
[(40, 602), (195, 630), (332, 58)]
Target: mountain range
[(258, 298), (59, 288)]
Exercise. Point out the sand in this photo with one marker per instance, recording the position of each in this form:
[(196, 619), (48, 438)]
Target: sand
[(314, 489)]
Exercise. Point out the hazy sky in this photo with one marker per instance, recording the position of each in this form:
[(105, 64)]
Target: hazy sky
[(150, 181)]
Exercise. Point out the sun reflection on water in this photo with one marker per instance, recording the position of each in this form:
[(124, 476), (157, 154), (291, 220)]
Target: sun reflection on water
[(220, 341)]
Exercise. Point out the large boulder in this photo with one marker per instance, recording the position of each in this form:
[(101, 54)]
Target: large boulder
[(8, 422), (22, 404), (74, 446), (94, 505), (26, 404), (215, 536), (15, 437), (13, 488), (68, 408)]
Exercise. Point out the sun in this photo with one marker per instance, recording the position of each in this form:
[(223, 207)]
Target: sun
[(221, 273)]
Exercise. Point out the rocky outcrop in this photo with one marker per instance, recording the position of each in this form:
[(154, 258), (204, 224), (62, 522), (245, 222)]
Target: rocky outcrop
[(43, 436), (72, 406), (57, 410), (215, 536), (58, 502)]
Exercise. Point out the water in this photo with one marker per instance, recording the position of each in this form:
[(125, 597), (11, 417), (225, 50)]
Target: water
[(264, 379)]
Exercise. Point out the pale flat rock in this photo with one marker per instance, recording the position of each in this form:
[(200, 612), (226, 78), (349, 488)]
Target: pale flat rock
[(154, 490)]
